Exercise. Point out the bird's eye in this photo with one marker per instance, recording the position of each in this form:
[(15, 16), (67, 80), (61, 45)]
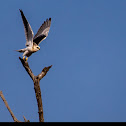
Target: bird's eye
[(38, 47)]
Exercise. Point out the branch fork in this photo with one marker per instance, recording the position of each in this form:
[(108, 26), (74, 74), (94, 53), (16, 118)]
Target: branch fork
[(36, 81)]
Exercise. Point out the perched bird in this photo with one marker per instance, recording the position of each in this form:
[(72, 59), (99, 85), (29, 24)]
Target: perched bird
[(32, 43)]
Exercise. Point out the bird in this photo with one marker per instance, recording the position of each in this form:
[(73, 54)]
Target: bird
[(32, 42)]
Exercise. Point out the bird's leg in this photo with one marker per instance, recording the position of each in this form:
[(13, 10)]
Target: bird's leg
[(23, 57), (26, 58)]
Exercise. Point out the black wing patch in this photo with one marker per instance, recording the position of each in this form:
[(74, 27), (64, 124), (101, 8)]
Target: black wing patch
[(42, 32), (39, 38)]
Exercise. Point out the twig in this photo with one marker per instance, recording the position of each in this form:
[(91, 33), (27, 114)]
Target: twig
[(25, 119), (6, 104), (36, 80), (44, 72)]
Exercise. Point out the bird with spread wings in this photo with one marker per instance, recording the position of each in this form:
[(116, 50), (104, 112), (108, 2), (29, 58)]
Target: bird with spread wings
[(32, 43)]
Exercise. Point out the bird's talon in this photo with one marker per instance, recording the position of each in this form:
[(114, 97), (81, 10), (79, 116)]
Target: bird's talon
[(26, 58), (23, 57)]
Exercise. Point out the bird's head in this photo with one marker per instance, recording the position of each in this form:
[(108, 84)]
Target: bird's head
[(37, 48)]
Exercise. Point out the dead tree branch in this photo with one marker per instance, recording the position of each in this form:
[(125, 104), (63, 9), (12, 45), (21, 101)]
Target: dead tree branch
[(6, 104), (27, 68), (36, 81), (25, 119)]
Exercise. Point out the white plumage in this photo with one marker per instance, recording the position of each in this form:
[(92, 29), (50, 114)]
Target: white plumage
[(33, 42)]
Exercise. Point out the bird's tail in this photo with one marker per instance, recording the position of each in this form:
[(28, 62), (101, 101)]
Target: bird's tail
[(20, 50)]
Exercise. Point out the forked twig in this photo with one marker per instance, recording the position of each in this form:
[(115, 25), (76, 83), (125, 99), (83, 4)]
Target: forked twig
[(36, 81)]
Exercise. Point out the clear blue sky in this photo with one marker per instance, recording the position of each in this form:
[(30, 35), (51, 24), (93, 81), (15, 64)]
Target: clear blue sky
[(87, 48)]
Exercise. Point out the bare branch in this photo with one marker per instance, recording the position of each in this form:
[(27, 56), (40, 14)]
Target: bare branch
[(39, 99), (25, 119), (36, 80), (44, 72), (6, 104), (27, 68)]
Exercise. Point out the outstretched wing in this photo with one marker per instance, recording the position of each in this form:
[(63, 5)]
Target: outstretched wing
[(42, 32), (28, 30)]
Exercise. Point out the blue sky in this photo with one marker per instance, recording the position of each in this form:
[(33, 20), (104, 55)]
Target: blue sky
[(87, 48)]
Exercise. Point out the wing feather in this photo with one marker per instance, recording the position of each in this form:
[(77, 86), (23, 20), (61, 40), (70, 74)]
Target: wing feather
[(42, 32), (28, 30)]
